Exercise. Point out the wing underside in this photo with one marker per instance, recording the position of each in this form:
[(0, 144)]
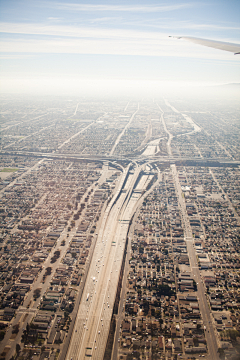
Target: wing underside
[(234, 48)]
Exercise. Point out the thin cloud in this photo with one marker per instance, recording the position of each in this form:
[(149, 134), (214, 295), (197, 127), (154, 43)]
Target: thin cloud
[(87, 40), (187, 25), (121, 8), (16, 57), (139, 47), (107, 20), (96, 32), (208, 27), (75, 31), (52, 18)]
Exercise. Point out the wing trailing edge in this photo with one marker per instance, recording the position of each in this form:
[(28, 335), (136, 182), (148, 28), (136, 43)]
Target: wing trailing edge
[(220, 45)]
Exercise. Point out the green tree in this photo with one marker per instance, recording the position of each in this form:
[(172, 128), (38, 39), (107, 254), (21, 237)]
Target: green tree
[(221, 353), (30, 354), (18, 349), (196, 341)]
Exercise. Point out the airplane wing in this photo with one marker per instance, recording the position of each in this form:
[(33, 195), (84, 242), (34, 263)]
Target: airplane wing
[(235, 48)]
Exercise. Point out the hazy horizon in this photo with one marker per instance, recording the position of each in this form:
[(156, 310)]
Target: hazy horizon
[(77, 48)]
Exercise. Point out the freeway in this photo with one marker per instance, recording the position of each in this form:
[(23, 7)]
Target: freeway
[(129, 159), (95, 311), (94, 315), (121, 314)]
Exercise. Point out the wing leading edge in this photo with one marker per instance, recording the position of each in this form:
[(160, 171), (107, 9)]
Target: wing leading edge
[(234, 48)]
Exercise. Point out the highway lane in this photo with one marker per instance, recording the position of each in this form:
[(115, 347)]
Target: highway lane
[(95, 311), (111, 248), (115, 158), (96, 269), (80, 292), (120, 316)]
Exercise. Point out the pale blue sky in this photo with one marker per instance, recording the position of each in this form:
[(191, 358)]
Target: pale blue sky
[(55, 46)]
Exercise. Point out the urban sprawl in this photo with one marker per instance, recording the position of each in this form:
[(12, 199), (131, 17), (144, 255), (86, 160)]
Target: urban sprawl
[(119, 229)]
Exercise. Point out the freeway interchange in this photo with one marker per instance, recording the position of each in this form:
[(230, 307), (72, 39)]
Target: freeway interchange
[(90, 333), (95, 312)]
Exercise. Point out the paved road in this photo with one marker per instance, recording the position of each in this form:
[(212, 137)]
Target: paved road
[(122, 133), (75, 135), (121, 314), (170, 136), (129, 159), (226, 196), (23, 121), (203, 305), (30, 307), (23, 175), (95, 311), (30, 135)]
